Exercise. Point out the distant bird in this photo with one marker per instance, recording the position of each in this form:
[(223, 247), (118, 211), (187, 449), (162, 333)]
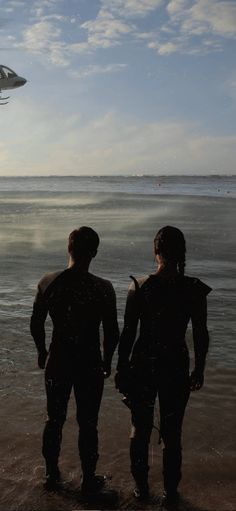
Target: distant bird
[(9, 80)]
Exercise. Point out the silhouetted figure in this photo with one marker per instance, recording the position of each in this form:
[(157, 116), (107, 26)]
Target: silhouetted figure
[(77, 302), (163, 303)]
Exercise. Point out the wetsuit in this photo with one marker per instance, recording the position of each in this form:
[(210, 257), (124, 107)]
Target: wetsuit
[(159, 364), (77, 303)]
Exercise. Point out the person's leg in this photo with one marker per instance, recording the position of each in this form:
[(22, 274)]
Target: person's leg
[(88, 391), (58, 394), (173, 397), (142, 412)]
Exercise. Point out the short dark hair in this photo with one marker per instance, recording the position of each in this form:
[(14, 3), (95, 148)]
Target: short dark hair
[(83, 242), (169, 242)]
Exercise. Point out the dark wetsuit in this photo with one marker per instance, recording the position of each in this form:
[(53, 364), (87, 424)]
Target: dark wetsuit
[(77, 302), (159, 364)]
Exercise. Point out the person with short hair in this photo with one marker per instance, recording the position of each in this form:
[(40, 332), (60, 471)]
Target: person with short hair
[(77, 302), (158, 362)]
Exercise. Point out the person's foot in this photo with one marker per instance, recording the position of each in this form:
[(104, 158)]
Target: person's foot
[(170, 499), (53, 476), (92, 485), (141, 491)]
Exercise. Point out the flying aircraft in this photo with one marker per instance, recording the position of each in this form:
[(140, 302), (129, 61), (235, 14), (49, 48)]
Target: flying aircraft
[(9, 80)]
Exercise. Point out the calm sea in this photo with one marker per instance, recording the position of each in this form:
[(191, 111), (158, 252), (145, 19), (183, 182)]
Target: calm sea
[(37, 214)]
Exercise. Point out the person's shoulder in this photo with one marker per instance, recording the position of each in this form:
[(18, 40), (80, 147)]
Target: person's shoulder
[(197, 286), (48, 279), (104, 284), (138, 282)]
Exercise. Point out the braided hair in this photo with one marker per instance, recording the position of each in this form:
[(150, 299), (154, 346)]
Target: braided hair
[(169, 242)]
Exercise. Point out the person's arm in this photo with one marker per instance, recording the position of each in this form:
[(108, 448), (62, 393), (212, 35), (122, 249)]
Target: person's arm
[(110, 329), (200, 341), (39, 314)]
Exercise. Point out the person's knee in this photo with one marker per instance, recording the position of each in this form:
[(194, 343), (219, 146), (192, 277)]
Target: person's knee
[(172, 442), (87, 427), (141, 433), (171, 433), (55, 422)]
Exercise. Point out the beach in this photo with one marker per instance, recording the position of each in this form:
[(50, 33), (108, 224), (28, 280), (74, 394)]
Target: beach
[(36, 217)]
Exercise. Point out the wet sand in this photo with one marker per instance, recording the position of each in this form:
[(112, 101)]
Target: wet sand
[(208, 481)]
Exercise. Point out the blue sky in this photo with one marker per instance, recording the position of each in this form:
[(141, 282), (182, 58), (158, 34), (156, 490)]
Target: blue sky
[(119, 87)]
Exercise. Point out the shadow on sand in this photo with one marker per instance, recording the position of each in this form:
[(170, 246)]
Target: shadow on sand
[(110, 499), (106, 499)]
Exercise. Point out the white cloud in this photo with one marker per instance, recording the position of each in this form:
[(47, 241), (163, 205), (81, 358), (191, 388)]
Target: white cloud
[(191, 27), (207, 19), (195, 27), (44, 8), (131, 8), (49, 35), (97, 70), (211, 15), (165, 48), (146, 36), (44, 142), (106, 31), (16, 3), (56, 17), (47, 4), (204, 16), (44, 38), (110, 27), (40, 36), (174, 7)]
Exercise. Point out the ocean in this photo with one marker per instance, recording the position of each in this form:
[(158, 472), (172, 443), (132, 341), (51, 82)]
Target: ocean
[(37, 215)]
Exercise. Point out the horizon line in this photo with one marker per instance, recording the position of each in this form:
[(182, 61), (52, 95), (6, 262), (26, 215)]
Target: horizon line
[(112, 175)]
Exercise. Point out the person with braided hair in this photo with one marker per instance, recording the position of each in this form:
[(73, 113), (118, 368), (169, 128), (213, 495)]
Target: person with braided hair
[(158, 362)]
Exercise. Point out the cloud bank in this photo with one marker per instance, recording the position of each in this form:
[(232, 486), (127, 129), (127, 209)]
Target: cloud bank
[(111, 144)]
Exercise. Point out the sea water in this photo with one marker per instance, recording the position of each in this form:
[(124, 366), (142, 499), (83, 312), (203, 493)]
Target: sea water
[(37, 214)]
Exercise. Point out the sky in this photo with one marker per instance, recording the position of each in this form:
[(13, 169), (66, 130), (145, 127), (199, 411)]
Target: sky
[(119, 87)]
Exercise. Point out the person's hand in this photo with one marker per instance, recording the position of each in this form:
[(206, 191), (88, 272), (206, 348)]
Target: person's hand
[(42, 357), (122, 381), (196, 380), (106, 371)]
